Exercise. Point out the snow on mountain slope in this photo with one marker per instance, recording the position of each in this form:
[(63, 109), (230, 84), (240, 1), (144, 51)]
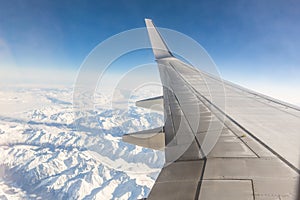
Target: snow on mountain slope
[(45, 156)]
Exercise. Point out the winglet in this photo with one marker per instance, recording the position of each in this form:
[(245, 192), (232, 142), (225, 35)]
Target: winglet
[(159, 47)]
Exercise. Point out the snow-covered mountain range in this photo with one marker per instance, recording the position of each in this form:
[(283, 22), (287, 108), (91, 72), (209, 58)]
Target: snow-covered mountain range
[(45, 156)]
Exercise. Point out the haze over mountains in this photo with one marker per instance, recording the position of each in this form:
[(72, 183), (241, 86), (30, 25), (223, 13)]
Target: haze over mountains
[(45, 156)]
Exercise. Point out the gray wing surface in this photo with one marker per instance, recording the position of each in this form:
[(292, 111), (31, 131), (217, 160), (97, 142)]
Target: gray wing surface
[(256, 155)]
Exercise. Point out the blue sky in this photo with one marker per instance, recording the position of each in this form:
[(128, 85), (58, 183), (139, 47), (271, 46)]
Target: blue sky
[(252, 42)]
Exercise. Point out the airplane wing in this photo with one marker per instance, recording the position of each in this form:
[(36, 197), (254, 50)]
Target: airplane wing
[(255, 141)]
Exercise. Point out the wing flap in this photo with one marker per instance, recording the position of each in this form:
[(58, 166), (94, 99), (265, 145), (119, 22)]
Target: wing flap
[(153, 139), (155, 103)]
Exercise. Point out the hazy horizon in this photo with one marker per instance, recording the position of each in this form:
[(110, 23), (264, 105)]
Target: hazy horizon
[(254, 44)]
